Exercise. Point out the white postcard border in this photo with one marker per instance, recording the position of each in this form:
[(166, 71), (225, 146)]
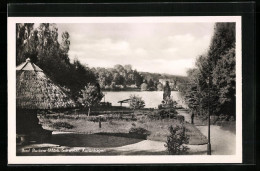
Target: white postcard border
[(166, 159)]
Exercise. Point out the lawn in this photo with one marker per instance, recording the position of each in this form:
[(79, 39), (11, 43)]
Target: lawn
[(119, 125)]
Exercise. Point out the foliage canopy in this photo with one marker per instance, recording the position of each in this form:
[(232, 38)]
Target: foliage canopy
[(218, 67)]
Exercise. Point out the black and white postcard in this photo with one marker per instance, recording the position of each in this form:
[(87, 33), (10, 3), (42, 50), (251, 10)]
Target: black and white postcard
[(114, 90)]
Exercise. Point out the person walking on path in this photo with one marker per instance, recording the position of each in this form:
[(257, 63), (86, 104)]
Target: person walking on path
[(192, 118)]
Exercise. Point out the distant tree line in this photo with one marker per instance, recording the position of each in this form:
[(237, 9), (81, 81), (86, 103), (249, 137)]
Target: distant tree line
[(124, 78), (212, 83), (118, 77), (157, 76)]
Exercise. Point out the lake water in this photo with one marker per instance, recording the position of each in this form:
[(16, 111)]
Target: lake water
[(152, 98)]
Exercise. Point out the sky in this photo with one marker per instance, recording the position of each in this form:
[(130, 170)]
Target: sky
[(170, 48)]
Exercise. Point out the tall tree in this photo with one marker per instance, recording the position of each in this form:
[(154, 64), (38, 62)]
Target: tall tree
[(128, 68), (42, 46), (136, 102), (65, 46), (119, 68), (150, 84), (26, 41), (222, 42), (224, 78), (138, 78), (91, 96), (218, 67)]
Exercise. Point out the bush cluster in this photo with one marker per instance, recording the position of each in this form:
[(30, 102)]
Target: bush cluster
[(168, 103), (59, 125), (176, 141), (164, 113), (170, 113), (180, 118), (139, 132)]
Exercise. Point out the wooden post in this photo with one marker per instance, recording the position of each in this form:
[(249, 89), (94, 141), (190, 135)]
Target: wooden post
[(99, 121), (88, 111)]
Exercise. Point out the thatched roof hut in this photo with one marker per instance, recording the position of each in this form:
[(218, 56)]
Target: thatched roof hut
[(34, 90)]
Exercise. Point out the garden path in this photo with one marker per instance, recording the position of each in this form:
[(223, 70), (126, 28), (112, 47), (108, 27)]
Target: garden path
[(223, 142)]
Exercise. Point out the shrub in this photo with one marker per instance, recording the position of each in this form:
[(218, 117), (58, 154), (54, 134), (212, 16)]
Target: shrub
[(173, 111), (136, 102), (163, 113), (59, 125), (180, 118), (167, 103), (176, 140), (139, 132), (153, 115), (167, 113), (133, 119)]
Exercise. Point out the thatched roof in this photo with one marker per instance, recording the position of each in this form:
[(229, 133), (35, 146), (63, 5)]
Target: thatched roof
[(28, 66), (34, 90)]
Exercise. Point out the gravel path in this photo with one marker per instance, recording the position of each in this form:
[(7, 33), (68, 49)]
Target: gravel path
[(222, 142)]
